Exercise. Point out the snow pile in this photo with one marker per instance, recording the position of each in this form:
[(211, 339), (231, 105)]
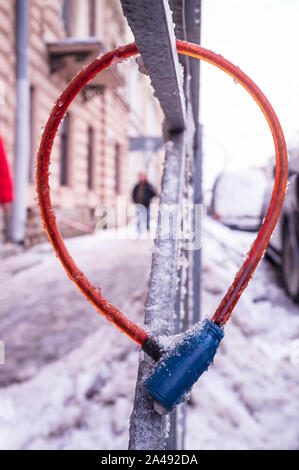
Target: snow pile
[(77, 373), (82, 401), (249, 399)]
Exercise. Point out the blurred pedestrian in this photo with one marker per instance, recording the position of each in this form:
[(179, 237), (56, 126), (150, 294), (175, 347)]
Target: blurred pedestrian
[(6, 189), (142, 195)]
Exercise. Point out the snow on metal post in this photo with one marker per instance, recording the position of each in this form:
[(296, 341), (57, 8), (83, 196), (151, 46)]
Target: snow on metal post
[(152, 26), (187, 20), (148, 428)]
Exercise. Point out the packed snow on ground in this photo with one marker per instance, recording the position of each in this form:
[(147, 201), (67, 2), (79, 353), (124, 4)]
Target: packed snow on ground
[(69, 377)]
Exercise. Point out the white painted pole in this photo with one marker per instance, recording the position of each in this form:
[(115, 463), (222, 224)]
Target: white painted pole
[(22, 146)]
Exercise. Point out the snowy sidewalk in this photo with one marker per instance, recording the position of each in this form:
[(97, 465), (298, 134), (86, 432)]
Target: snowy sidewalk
[(250, 398), (77, 374)]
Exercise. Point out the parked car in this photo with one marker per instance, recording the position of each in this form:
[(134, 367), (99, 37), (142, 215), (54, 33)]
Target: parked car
[(237, 199), (283, 247)]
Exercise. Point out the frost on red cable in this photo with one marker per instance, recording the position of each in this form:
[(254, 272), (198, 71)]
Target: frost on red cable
[(91, 292)]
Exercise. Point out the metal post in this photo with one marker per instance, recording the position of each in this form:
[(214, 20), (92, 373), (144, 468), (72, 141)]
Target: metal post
[(193, 31), (148, 428), (168, 307), (152, 26), (186, 17), (22, 149)]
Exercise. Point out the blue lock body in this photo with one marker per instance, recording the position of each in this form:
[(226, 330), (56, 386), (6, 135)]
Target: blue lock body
[(180, 368)]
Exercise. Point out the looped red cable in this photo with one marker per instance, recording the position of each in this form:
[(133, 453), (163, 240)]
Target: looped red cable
[(257, 250)]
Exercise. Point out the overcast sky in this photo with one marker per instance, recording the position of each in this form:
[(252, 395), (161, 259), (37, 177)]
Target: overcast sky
[(262, 38)]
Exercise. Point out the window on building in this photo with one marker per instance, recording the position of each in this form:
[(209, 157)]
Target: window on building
[(90, 159), (117, 169), (92, 17), (80, 17), (32, 143), (64, 152), (66, 11)]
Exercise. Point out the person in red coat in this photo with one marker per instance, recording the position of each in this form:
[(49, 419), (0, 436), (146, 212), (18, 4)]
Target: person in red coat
[(6, 187)]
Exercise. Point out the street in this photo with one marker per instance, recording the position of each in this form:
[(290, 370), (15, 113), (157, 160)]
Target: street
[(69, 377)]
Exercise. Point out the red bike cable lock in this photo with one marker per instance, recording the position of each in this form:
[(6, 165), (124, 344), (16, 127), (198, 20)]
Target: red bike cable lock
[(257, 250)]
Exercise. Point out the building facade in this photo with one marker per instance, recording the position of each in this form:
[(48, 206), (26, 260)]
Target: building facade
[(91, 160)]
